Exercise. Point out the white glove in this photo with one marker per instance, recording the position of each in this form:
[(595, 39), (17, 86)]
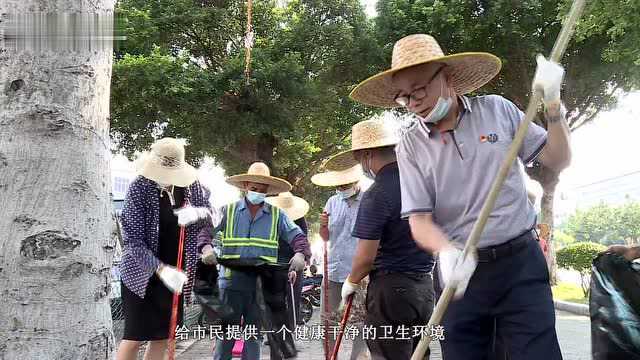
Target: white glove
[(292, 276), (348, 289), (189, 215), (297, 262), (456, 270), (548, 79), (172, 278), (208, 255)]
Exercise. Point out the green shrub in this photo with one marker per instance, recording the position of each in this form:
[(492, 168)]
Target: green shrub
[(578, 257)]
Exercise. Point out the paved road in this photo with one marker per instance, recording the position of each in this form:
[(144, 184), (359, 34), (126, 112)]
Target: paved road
[(573, 332)]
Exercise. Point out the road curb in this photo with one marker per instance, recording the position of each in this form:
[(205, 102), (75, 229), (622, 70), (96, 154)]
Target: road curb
[(577, 309)]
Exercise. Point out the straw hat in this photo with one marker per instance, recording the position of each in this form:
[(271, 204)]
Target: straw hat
[(469, 71), (260, 173), (165, 164), (369, 134), (338, 178), (295, 207)]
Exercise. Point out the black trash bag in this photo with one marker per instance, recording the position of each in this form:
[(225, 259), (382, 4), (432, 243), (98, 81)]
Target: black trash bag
[(614, 306), (207, 295)]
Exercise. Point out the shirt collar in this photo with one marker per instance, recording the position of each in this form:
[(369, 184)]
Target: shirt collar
[(466, 104), (387, 168)]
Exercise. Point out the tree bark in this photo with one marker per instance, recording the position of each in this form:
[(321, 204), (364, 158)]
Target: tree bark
[(55, 224), (255, 148), (548, 193), (548, 179)]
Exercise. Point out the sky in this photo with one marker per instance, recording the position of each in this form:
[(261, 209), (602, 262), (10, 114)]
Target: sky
[(607, 147), (370, 7)]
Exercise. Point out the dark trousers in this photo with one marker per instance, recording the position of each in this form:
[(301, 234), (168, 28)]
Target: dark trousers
[(401, 301), (510, 296), (275, 284), (497, 349), (270, 307)]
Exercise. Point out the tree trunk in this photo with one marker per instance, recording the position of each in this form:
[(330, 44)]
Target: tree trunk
[(548, 179), (55, 227), (548, 193), (255, 148)]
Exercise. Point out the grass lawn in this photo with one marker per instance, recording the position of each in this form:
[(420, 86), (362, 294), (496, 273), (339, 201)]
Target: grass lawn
[(569, 292)]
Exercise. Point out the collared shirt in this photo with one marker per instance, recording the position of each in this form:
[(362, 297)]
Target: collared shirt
[(379, 219), (450, 174), (342, 246), (246, 226), (140, 229)]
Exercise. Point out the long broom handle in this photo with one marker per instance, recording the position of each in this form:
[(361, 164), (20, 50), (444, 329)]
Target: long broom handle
[(325, 299), (293, 306), (343, 325), (176, 299), (556, 54)]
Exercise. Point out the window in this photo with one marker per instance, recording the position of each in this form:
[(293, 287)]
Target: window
[(120, 186)]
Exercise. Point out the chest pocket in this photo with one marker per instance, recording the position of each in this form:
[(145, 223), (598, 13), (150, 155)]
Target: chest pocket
[(337, 221)]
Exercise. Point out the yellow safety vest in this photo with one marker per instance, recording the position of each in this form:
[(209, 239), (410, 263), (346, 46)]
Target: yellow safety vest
[(254, 247)]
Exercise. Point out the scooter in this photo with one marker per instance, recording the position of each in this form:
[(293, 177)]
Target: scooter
[(311, 292)]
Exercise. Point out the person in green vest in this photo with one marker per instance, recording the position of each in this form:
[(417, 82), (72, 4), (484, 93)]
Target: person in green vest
[(251, 233)]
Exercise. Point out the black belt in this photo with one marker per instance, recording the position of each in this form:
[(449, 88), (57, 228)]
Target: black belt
[(511, 247), (381, 272)]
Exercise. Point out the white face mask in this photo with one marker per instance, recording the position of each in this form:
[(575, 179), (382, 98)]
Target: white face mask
[(367, 169), (443, 105), (346, 194)]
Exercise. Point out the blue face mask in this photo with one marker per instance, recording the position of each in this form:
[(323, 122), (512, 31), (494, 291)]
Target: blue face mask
[(440, 110), (256, 198)]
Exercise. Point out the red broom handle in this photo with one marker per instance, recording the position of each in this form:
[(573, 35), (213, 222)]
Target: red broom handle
[(325, 306), (176, 298), (343, 324)]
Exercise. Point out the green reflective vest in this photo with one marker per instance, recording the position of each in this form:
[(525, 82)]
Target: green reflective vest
[(262, 243)]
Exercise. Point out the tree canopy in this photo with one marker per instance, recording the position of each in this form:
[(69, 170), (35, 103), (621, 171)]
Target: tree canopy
[(181, 74), (606, 224)]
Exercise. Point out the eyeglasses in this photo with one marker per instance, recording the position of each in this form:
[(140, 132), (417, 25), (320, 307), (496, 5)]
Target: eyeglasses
[(417, 94)]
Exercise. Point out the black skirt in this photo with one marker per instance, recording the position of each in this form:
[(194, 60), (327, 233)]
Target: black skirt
[(148, 319)]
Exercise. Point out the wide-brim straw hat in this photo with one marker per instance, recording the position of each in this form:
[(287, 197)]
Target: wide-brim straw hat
[(338, 178), (369, 134), (164, 163), (469, 70), (295, 207), (259, 173)]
